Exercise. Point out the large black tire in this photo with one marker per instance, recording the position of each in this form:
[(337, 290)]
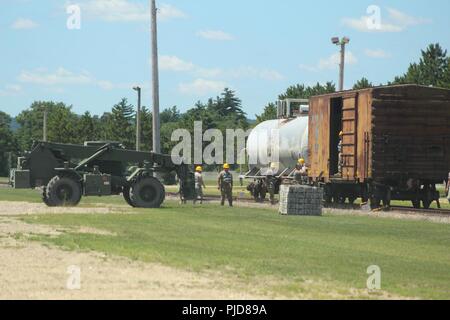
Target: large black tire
[(44, 197), (126, 195), (147, 192), (63, 192)]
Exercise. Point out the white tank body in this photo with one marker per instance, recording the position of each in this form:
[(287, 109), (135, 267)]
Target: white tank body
[(291, 136)]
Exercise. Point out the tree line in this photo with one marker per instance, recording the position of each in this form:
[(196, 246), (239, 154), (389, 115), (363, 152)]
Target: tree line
[(222, 112)]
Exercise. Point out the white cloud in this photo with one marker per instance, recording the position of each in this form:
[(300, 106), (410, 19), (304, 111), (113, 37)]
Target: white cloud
[(64, 77), (173, 63), (167, 11), (59, 77), (404, 19), (377, 53), (333, 61), (127, 11), (202, 87), (252, 72), (215, 35), (176, 64), (24, 24), (397, 21), (330, 62), (308, 68), (11, 90)]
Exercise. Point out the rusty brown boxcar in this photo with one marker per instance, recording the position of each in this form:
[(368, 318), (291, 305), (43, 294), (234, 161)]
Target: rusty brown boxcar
[(395, 143)]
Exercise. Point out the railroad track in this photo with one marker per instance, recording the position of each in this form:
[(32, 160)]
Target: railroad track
[(434, 212), (437, 212), (218, 198)]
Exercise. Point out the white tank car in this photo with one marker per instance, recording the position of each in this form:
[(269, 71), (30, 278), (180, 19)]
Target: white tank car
[(292, 142)]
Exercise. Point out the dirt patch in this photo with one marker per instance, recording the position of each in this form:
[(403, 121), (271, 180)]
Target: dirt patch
[(12, 208), (29, 270)]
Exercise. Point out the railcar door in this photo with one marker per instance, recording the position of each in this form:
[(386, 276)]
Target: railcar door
[(349, 138)]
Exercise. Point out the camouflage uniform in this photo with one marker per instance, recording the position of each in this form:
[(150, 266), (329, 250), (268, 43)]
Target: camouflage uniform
[(300, 173), (199, 185), (225, 183)]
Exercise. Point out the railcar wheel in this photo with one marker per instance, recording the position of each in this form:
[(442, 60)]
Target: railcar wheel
[(63, 192), (147, 192), (375, 203), (416, 203)]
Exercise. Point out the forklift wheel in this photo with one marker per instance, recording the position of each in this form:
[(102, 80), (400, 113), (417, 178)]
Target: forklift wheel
[(147, 192), (63, 192)]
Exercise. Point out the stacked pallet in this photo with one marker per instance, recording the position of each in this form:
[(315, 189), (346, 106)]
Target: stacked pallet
[(301, 200)]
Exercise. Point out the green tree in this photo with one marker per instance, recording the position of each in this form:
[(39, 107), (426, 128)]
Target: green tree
[(89, 128), (61, 124), (269, 113), (170, 115), (120, 124), (147, 129), (8, 143), (300, 91), (433, 69), (362, 84)]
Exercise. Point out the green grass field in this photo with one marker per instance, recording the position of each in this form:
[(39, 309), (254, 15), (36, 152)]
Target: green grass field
[(250, 243)]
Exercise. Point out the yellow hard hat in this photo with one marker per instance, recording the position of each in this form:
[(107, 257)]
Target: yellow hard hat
[(301, 161), (341, 133), (199, 169), (226, 166), (273, 165)]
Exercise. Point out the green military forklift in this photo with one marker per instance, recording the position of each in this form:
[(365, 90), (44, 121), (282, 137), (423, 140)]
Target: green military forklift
[(66, 172)]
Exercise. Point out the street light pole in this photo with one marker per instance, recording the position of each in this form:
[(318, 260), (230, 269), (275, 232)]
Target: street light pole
[(341, 68), (342, 43), (155, 79), (138, 120)]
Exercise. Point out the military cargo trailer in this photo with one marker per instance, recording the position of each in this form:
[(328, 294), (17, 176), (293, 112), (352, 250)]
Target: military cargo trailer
[(67, 172)]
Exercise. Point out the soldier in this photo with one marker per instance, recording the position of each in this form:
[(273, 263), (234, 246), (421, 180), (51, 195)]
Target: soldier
[(199, 184), (271, 181), (301, 170), (447, 189), (225, 185)]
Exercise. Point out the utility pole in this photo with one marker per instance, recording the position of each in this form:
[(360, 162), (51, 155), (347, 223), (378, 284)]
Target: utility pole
[(44, 130), (342, 43), (138, 120), (155, 80)]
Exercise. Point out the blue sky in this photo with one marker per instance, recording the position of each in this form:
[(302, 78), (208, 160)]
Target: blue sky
[(256, 47)]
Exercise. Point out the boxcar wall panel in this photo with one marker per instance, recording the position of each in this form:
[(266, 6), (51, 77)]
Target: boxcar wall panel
[(364, 134), (319, 124), (410, 133)]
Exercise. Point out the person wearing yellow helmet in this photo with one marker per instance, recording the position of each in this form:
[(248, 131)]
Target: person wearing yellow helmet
[(199, 184), (301, 170), (225, 185)]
